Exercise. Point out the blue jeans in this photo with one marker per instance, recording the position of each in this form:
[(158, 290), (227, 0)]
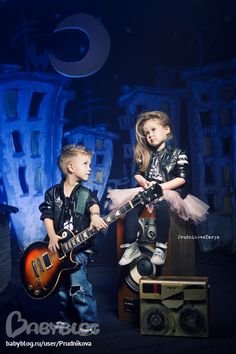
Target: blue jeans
[(76, 298)]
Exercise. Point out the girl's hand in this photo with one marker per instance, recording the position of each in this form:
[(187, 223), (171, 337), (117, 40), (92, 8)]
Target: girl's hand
[(97, 222), (149, 184), (53, 243), (146, 184), (143, 182)]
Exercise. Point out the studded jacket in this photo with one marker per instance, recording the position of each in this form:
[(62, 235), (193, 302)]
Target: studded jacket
[(56, 207), (172, 163)]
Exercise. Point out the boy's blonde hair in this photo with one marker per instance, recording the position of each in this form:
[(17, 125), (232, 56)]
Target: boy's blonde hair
[(68, 152), (142, 151)]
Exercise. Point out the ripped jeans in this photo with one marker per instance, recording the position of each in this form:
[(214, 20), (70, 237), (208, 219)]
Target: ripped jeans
[(77, 302)]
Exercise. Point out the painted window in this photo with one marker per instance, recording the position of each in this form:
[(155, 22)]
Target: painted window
[(227, 205), (35, 103), (99, 144), (99, 176), (209, 175), (10, 104), (208, 146), (226, 116), (35, 143), (226, 174), (205, 118), (99, 159), (226, 145), (38, 180), (17, 142), (22, 179)]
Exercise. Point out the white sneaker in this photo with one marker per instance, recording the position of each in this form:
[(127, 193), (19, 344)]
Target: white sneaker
[(132, 251), (159, 254)]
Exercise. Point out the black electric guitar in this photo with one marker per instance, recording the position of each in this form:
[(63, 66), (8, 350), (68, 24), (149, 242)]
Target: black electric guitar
[(41, 269)]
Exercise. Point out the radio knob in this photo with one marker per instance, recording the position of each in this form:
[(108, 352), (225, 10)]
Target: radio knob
[(36, 292), (30, 287)]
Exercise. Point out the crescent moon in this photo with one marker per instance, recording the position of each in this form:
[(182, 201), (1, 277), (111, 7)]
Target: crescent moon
[(99, 46)]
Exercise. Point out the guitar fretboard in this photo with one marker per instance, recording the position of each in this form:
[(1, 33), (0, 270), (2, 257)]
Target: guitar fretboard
[(86, 234), (144, 197)]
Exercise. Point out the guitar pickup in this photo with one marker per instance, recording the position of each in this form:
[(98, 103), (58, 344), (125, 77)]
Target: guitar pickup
[(40, 265), (35, 269)]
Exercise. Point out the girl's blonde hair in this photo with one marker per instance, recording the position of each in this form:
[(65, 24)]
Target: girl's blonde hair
[(142, 151), (70, 151)]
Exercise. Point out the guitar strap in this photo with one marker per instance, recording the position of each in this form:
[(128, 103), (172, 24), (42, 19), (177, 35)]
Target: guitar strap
[(81, 196)]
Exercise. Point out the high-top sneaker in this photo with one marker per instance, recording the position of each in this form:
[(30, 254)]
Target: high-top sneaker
[(132, 251), (159, 254)]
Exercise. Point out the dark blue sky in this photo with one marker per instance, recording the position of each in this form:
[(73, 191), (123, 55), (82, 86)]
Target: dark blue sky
[(144, 34)]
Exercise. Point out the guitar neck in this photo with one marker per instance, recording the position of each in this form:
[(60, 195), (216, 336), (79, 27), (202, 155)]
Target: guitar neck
[(86, 234)]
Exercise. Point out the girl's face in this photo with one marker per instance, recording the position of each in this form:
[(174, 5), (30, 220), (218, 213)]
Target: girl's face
[(155, 133)]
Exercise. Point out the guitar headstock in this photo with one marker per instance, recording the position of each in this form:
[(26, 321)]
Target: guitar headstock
[(148, 195)]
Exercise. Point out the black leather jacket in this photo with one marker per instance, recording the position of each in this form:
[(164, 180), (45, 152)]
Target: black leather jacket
[(173, 162), (55, 207)]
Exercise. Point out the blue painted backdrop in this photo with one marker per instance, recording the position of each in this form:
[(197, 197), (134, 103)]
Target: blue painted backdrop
[(176, 61)]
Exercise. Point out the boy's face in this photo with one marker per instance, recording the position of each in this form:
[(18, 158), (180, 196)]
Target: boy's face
[(79, 167)]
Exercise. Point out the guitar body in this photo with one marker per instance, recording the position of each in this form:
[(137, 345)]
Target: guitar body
[(41, 268)]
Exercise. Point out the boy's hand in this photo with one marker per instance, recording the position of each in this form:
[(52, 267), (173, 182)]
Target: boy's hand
[(97, 222), (53, 243)]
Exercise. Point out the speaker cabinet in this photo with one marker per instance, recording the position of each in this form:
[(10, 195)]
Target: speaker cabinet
[(129, 283), (130, 275), (180, 260), (174, 306)]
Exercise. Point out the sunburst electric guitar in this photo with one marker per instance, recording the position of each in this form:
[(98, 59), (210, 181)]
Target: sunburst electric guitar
[(41, 269)]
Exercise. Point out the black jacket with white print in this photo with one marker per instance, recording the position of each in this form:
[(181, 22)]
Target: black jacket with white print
[(167, 164)]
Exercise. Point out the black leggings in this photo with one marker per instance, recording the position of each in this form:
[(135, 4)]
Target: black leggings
[(162, 223)]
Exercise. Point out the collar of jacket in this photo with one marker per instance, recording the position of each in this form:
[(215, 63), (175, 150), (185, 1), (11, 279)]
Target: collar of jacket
[(61, 185), (166, 148)]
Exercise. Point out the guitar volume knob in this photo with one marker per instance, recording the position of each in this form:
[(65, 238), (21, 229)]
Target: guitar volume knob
[(64, 234)]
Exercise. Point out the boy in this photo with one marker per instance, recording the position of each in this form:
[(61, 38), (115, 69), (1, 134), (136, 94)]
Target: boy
[(72, 206)]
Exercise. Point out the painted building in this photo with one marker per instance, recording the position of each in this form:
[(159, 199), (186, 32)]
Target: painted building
[(212, 131), (100, 141), (31, 124)]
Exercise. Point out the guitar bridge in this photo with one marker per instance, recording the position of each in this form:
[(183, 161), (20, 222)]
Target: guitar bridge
[(35, 269)]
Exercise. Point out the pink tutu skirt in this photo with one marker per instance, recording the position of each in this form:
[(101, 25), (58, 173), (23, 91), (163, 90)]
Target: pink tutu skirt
[(187, 208)]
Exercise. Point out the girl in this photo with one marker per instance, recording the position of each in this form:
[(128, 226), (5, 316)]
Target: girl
[(157, 162)]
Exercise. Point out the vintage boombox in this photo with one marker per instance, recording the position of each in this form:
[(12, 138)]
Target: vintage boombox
[(174, 306)]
